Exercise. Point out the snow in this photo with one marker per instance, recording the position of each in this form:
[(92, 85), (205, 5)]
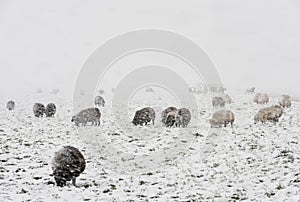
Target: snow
[(247, 162)]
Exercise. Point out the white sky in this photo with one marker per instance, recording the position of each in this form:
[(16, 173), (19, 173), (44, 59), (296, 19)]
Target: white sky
[(43, 44)]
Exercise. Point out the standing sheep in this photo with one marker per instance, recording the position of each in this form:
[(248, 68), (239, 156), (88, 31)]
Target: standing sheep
[(170, 118), (87, 115), (50, 110), (218, 102), (10, 105), (165, 113), (222, 117), (38, 110), (99, 101), (67, 164), (227, 99), (272, 114), (261, 98), (286, 101), (183, 117), (144, 116)]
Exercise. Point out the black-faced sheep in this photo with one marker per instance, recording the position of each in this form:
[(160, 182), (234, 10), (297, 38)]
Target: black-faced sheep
[(87, 115), (67, 164), (39, 110), (222, 117), (165, 113), (183, 117), (99, 101), (218, 102), (286, 101), (50, 110), (10, 105), (144, 116)]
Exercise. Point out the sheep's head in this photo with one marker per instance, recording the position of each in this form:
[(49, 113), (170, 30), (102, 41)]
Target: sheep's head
[(61, 177), (170, 121)]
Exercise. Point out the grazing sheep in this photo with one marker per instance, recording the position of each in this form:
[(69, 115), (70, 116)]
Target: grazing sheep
[(227, 99), (99, 101), (286, 101), (10, 105), (218, 102), (222, 117), (272, 114), (250, 90), (101, 91), (38, 110), (165, 113), (67, 164), (261, 98), (183, 117), (144, 116), (87, 115), (50, 110)]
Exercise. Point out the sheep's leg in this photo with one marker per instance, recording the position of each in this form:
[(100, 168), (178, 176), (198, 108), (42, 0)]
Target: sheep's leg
[(74, 181)]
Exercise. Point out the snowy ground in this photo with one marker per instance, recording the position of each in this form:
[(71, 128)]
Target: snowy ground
[(247, 162)]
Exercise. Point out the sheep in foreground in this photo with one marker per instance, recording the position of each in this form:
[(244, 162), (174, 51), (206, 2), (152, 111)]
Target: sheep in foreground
[(10, 105), (87, 115), (38, 110), (164, 114), (272, 114), (67, 164), (50, 110), (218, 102), (183, 117), (222, 117), (99, 101), (261, 98), (144, 116), (286, 101)]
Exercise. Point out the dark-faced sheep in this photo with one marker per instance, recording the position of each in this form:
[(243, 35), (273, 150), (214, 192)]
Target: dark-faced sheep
[(272, 114), (67, 164), (99, 101), (261, 98), (170, 119), (165, 113), (222, 117), (50, 110), (218, 102), (10, 105), (286, 101), (144, 116), (92, 115), (39, 110), (183, 117)]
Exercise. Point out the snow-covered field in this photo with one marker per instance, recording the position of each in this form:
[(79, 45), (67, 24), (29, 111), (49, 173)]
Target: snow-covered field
[(247, 162)]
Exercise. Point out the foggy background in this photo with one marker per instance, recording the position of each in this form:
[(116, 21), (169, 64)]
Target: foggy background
[(43, 44)]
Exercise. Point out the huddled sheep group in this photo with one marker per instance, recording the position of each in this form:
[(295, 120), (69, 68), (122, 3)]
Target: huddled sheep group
[(68, 163)]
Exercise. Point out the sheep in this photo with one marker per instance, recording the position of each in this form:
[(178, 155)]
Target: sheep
[(261, 98), (67, 164), (165, 113), (170, 119), (54, 91), (222, 117), (183, 117), (286, 101), (227, 99), (250, 90), (272, 114), (10, 105), (144, 116), (218, 102), (87, 115), (101, 91), (99, 101), (50, 110), (38, 110)]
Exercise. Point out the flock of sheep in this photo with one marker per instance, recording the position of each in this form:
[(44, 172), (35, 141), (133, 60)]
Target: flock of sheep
[(68, 162)]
